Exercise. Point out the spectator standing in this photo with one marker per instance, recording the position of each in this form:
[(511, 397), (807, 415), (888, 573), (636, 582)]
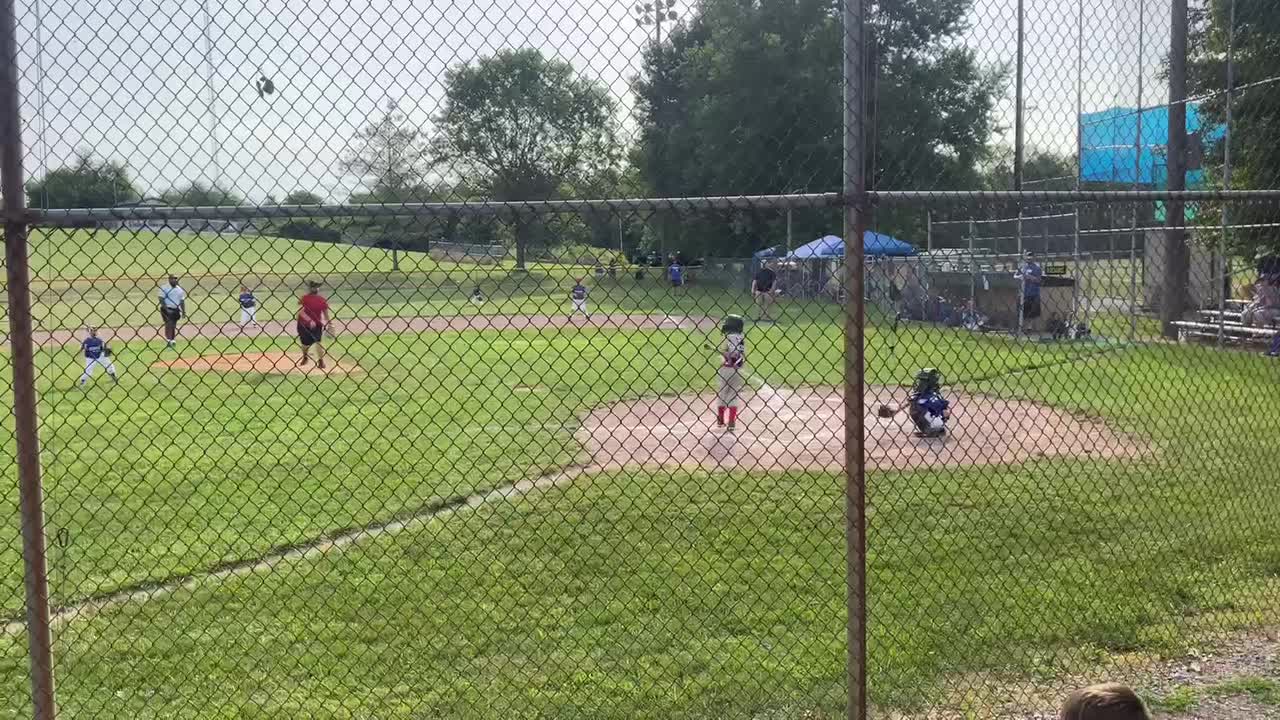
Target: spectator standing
[(762, 291), (1031, 276), (675, 273)]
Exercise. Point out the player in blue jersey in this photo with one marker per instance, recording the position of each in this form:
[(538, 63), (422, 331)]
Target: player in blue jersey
[(675, 273), (248, 307), (96, 352), (578, 295)]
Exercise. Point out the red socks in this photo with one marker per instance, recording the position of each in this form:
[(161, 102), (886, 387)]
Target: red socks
[(720, 415), (733, 415)]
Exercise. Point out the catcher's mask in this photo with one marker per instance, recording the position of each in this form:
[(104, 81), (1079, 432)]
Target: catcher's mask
[(928, 380), (733, 324)]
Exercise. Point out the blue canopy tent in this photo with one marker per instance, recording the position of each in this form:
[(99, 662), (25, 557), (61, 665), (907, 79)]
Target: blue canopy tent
[(819, 272), (874, 244)]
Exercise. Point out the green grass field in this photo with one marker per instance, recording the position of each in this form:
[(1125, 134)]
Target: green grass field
[(625, 594)]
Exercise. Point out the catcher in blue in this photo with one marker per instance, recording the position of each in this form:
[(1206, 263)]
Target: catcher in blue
[(96, 352), (925, 405), (733, 354)]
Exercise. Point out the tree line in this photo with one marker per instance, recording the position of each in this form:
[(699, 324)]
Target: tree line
[(741, 98)]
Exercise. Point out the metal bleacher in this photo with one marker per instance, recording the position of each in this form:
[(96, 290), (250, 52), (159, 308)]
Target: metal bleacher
[(1228, 324)]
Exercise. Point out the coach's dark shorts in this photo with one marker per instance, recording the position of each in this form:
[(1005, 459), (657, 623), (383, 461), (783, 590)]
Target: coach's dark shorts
[(310, 335), (1031, 307), (171, 314)]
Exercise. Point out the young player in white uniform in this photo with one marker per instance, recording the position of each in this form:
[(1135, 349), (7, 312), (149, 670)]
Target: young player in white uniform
[(733, 356), (578, 295), (248, 308), (96, 353)]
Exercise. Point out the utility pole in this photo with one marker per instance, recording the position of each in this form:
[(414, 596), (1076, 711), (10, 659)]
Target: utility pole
[(1176, 256), (1018, 120), (654, 14)]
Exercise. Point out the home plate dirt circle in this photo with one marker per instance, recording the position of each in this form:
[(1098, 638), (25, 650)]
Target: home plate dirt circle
[(268, 363), (789, 429)]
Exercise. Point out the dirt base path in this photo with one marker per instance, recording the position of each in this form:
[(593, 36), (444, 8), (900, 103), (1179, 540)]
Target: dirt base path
[(266, 363), (362, 326), (784, 429)]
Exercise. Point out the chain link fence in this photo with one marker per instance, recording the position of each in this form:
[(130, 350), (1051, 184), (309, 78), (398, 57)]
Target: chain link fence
[(506, 360)]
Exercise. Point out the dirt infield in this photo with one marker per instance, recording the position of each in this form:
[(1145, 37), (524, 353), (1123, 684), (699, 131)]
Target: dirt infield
[(782, 429), (360, 326), (266, 363)]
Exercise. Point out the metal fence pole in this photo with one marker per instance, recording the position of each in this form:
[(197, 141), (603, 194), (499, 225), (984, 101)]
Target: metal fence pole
[(1222, 277), (855, 471), (30, 493)]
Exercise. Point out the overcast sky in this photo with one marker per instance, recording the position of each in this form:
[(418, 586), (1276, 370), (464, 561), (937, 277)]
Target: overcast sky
[(128, 79)]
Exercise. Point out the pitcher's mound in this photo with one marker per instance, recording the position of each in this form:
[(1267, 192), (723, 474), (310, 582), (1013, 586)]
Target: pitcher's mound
[(786, 429), (267, 363)]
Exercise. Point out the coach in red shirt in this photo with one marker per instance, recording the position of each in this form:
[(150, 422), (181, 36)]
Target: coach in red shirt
[(313, 321)]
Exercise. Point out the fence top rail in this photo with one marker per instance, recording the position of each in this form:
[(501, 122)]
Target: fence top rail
[(1003, 220), (460, 208), (709, 202), (942, 197)]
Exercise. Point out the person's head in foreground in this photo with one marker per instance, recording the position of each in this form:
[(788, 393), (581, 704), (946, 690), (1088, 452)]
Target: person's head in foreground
[(93, 332), (173, 281), (1106, 701), (313, 287)]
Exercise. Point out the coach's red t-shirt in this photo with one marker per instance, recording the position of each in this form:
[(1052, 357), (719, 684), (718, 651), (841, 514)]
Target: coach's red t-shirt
[(313, 308)]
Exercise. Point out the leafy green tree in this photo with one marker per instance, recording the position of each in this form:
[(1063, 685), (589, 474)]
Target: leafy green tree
[(1255, 154), (88, 182), (746, 98), (520, 126)]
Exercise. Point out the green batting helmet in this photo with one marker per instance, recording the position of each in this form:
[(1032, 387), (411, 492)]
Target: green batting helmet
[(733, 324), (926, 381)]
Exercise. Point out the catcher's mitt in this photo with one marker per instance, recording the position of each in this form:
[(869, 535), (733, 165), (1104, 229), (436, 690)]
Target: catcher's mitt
[(886, 411), (107, 352)]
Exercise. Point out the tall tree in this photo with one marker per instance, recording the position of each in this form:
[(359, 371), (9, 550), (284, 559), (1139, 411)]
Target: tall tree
[(87, 182), (201, 195), (1255, 154), (390, 156), (746, 98), (521, 126), (303, 197)]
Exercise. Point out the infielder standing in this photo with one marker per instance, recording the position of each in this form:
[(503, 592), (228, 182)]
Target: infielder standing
[(96, 353), (173, 305), (579, 297), (733, 352), (248, 307)]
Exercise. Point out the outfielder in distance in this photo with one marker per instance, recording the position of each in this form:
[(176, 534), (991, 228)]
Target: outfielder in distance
[(96, 352), (248, 307), (579, 297)]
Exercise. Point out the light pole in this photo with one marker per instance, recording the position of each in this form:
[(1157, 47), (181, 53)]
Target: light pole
[(214, 145), (654, 14)]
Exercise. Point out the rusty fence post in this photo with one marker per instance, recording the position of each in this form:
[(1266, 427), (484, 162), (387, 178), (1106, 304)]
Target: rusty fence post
[(22, 355), (855, 464)]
